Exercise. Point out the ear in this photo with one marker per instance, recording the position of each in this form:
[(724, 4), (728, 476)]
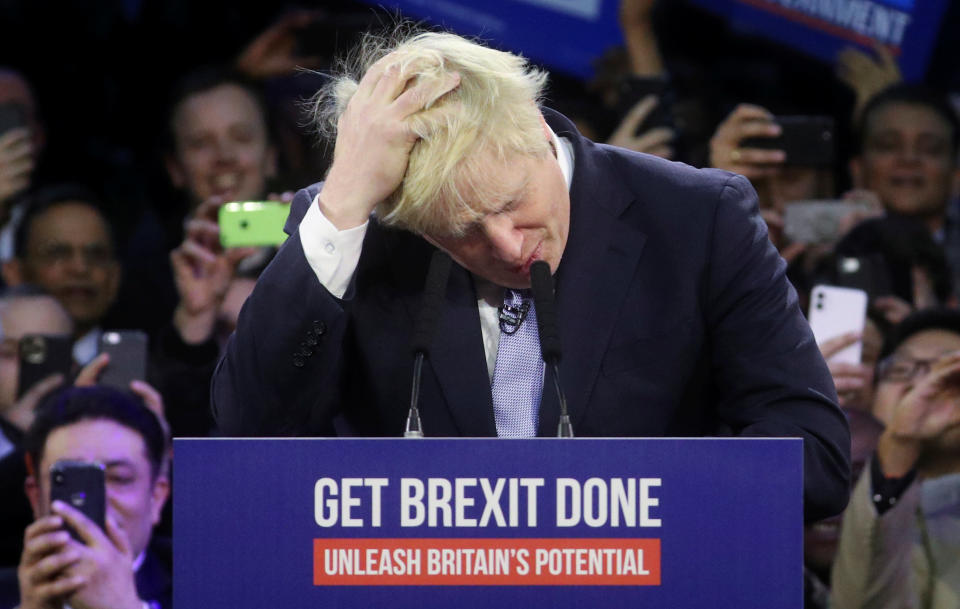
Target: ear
[(856, 172), (12, 271), (32, 490), (158, 498), (175, 171)]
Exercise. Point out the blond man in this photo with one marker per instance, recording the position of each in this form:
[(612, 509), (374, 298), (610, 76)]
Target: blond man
[(674, 310)]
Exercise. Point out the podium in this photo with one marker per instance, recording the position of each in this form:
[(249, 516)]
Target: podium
[(672, 523)]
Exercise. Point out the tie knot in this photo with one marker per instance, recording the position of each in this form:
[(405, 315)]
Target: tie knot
[(517, 297)]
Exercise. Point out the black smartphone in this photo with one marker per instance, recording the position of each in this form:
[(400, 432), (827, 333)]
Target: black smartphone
[(128, 358), (807, 140), (867, 273), (82, 486), (42, 355), (12, 115)]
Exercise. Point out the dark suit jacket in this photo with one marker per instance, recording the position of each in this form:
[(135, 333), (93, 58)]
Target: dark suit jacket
[(673, 306)]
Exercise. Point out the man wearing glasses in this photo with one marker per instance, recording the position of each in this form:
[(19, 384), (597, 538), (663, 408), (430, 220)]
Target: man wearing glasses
[(900, 544)]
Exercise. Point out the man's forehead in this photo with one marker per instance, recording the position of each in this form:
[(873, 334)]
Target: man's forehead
[(60, 221), (930, 343), (100, 440), (900, 116)]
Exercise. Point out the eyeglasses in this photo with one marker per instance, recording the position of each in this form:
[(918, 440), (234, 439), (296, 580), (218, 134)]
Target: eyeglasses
[(901, 370)]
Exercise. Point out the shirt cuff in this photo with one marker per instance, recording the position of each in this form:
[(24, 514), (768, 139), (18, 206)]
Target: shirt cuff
[(332, 254), (887, 491)]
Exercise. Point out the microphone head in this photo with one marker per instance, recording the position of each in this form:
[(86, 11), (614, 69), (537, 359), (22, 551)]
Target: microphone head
[(541, 283), (431, 306)]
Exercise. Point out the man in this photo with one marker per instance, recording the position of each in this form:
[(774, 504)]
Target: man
[(908, 147), (118, 567), (22, 312), (673, 306), (65, 246), (900, 542)]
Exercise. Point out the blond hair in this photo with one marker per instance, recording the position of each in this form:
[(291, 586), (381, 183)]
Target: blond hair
[(464, 135)]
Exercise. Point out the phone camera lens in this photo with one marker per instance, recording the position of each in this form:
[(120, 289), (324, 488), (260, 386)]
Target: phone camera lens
[(58, 478), (244, 224)]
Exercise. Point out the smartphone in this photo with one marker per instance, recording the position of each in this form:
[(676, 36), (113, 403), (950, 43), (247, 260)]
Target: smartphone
[(868, 273), (12, 115), (128, 358), (834, 311), (81, 485), (42, 355), (817, 221), (253, 223), (807, 140)]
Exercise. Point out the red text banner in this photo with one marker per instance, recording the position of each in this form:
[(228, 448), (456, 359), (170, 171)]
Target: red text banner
[(486, 562)]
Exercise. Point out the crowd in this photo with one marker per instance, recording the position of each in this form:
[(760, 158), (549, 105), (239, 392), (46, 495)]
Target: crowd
[(73, 265)]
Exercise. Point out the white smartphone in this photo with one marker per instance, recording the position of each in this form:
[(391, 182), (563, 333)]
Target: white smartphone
[(835, 311)]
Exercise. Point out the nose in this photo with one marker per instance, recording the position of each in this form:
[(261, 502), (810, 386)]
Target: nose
[(505, 240), (79, 262), (226, 149)]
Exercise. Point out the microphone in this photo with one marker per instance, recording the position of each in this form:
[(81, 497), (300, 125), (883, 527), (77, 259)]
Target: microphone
[(434, 292), (541, 283)]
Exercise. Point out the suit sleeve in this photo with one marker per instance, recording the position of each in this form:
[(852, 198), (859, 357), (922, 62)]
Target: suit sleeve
[(278, 374), (771, 378)]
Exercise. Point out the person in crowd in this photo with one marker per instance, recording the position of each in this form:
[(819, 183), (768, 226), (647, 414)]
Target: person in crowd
[(498, 184), (908, 138), (123, 565), (21, 141), (899, 541), (65, 245), (22, 312), (221, 150), (820, 538)]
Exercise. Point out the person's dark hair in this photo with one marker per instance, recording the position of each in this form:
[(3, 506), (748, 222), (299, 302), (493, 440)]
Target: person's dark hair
[(71, 405), (915, 95), (49, 197), (920, 321), (205, 79), (899, 243)]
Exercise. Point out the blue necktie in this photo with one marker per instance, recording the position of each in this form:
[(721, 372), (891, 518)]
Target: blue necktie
[(518, 373)]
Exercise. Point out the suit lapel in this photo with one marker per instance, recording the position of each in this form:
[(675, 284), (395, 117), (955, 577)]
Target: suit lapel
[(456, 359), (592, 281)]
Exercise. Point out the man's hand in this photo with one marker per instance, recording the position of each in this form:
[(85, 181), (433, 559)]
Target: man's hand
[(374, 139), (16, 164), (105, 563), (47, 554), (867, 75), (929, 409), (853, 381), (654, 141), (272, 52), (744, 122), (202, 271), (22, 412)]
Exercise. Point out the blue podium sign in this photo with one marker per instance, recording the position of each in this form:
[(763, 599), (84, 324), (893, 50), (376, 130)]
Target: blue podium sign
[(478, 522), (822, 28)]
